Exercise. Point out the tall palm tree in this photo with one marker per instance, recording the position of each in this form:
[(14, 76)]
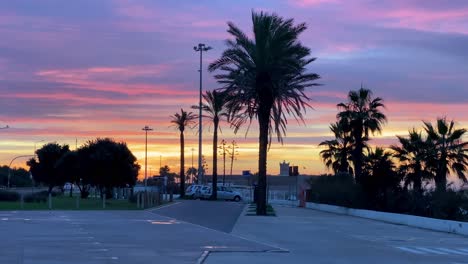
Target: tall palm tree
[(364, 115), (338, 151), (181, 121), (414, 156), (265, 79), (215, 108), (450, 151)]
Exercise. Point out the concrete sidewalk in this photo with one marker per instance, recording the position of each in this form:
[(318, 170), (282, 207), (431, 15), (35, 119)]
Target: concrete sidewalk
[(317, 237)]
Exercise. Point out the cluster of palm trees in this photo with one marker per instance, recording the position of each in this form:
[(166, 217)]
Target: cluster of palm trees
[(265, 78), (262, 78), (431, 154)]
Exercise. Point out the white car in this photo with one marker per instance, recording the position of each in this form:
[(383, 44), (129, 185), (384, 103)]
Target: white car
[(195, 191), (223, 193)]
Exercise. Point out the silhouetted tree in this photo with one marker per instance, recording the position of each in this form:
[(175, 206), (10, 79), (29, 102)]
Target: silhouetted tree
[(337, 154), (214, 107), (181, 121), (415, 158), (44, 169), (265, 79), (108, 164), (449, 150), (68, 167), (19, 177), (364, 116)]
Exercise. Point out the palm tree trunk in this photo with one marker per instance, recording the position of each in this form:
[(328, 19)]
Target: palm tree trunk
[(358, 157), (263, 120), (182, 165), (214, 194), (441, 176)]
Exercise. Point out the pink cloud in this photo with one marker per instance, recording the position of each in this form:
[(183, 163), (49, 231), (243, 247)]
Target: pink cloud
[(309, 3), (428, 20), (110, 79)]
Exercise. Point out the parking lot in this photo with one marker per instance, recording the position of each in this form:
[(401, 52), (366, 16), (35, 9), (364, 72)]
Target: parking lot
[(49, 237)]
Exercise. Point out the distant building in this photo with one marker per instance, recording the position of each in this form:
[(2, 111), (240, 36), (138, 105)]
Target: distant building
[(284, 169)]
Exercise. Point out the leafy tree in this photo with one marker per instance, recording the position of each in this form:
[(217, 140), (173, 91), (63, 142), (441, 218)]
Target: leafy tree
[(108, 164), (215, 109), (181, 121), (449, 150), (71, 167), (44, 169), (415, 158), (337, 154), (19, 177), (364, 116), (265, 79)]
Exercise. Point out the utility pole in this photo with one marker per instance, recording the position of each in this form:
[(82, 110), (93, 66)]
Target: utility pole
[(200, 48), (223, 152), (146, 129), (232, 151), (192, 156)]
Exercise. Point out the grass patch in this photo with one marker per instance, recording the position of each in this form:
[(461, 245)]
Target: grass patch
[(252, 210), (69, 203)]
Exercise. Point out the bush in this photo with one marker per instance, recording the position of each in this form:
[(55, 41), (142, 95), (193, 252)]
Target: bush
[(37, 197), (40, 197), (9, 196), (337, 190), (342, 191), (448, 205)]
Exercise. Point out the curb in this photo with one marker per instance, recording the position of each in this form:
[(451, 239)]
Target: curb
[(447, 226)]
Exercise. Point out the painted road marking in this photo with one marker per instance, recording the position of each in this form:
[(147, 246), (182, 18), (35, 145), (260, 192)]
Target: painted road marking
[(434, 250), (410, 250)]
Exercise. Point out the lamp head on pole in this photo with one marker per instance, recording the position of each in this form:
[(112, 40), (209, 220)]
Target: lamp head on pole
[(201, 47)]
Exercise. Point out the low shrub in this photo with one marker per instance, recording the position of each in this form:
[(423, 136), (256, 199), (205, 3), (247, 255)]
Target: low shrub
[(9, 196), (38, 197), (448, 205), (336, 190), (343, 191)]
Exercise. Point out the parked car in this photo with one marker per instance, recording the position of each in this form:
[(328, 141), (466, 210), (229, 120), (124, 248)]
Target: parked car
[(223, 193), (194, 191)]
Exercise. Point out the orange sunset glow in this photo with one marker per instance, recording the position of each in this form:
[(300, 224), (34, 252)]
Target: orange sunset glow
[(68, 75)]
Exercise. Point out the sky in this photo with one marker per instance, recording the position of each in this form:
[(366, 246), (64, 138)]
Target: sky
[(71, 71)]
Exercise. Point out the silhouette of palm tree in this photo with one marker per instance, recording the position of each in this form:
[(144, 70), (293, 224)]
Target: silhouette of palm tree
[(265, 79)]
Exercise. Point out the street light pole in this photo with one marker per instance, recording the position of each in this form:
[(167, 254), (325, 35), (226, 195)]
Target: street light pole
[(200, 48), (146, 129)]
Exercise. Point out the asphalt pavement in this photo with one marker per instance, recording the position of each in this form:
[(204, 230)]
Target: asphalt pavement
[(218, 215), (95, 237), (316, 237)]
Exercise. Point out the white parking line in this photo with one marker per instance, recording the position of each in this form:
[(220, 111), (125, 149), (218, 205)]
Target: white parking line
[(431, 251), (434, 250), (453, 251), (410, 250)]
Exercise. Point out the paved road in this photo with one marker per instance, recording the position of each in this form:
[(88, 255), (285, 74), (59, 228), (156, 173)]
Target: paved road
[(318, 237), (217, 215), (95, 237)]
